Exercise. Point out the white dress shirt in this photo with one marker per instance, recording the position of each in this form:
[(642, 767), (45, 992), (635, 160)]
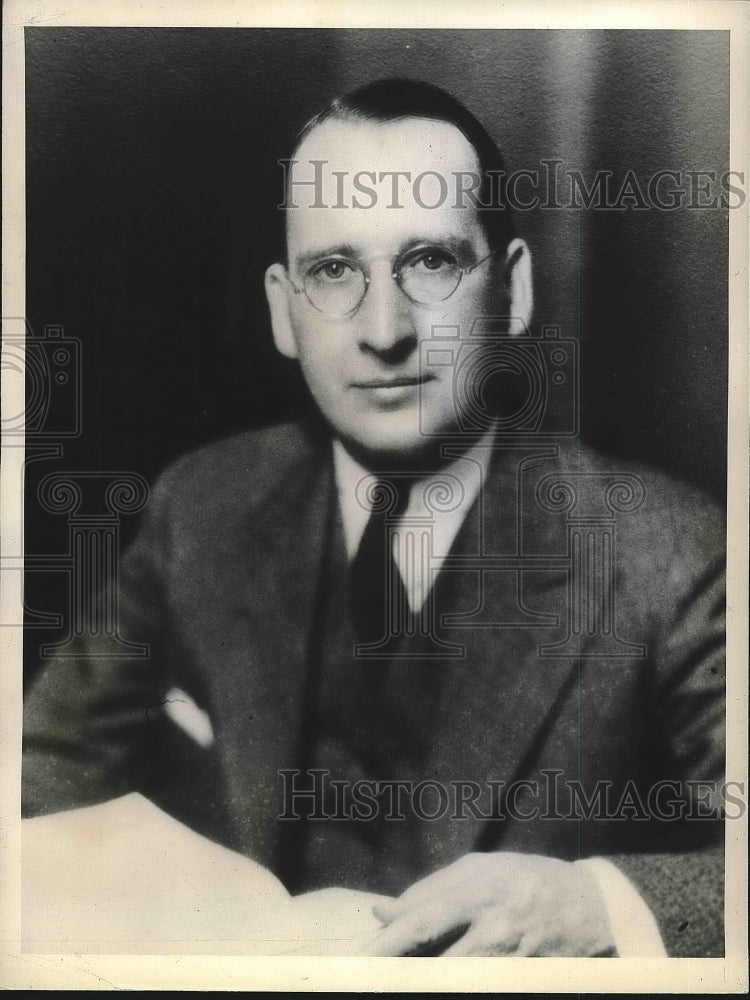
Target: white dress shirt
[(464, 476), (634, 928)]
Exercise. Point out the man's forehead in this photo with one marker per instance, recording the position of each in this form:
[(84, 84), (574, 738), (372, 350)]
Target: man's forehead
[(409, 144), (380, 184)]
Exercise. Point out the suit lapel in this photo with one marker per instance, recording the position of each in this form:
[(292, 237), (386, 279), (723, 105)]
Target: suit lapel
[(499, 701), (276, 612), (480, 718)]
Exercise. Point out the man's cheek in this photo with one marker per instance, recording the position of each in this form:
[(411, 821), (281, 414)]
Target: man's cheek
[(320, 366)]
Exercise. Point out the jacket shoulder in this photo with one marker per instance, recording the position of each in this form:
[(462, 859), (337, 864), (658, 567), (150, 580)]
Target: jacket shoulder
[(246, 467), (655, 493), (669, 533)]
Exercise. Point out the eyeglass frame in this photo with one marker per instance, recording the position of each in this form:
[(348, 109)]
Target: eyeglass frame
[(463, 271)]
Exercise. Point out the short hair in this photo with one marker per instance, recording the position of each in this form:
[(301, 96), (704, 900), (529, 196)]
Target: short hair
[(394, 99)]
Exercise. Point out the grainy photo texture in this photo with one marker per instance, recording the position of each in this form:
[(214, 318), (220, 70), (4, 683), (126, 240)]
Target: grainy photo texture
[(375, 485)]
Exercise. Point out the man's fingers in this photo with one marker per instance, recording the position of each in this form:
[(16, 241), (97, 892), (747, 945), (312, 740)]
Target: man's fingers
[(421, 894), (387, 911), (424, 931), (461, 879), (489, 936)]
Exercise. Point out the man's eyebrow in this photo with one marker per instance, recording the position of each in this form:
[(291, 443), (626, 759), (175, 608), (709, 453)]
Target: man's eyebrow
[(461, 246), (318, 253)]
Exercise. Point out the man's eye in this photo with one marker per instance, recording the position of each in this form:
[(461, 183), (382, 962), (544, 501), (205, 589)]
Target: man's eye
[(431, 260), (332, 270)]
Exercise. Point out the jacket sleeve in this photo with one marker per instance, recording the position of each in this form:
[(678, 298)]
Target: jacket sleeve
[(685, 892), (91, 717)]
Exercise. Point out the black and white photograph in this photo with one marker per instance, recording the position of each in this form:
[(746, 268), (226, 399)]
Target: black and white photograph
[(375, 461)]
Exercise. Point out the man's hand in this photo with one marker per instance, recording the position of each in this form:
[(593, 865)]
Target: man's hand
[(497, 904)]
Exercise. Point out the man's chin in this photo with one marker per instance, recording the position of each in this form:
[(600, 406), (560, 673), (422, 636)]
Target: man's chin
[(410, 453)]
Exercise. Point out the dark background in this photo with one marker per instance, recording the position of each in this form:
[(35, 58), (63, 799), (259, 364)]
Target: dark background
[(151, 194)]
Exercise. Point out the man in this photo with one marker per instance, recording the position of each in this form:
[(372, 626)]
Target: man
[(425, 595)]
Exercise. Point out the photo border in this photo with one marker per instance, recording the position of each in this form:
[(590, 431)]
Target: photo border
[(203, 972)]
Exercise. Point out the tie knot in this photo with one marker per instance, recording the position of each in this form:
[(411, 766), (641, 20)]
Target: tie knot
[(389, 496)]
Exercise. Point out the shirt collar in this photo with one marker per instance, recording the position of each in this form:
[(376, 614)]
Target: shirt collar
[(470, 469)]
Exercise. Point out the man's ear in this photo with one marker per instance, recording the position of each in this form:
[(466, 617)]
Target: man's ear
[(277, 294), (519, 286)]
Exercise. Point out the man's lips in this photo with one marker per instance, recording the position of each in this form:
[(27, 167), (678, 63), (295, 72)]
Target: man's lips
[(392, 382)]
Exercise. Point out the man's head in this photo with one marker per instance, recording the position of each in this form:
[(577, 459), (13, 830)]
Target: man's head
[(382, 248)]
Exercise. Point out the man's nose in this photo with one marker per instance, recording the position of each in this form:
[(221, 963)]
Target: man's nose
[(386, 322)]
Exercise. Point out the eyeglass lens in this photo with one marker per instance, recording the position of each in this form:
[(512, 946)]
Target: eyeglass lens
[(336, 287)]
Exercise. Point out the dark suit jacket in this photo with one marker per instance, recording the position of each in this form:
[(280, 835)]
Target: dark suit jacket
[(237, 581)]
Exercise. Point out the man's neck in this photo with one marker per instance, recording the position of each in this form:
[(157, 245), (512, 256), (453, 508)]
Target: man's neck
[(436, 457), (467, 467)]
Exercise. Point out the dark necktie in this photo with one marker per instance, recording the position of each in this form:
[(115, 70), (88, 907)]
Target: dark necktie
[(378, 597)]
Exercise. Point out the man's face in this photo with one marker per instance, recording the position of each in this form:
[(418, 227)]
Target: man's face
[(363, 368)]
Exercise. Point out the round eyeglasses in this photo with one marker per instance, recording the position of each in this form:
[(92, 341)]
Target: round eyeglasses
[(336, 286)]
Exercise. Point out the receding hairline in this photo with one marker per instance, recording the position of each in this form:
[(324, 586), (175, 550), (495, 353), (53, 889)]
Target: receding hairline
[(397, 100), (299, 158), (354, 118)]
